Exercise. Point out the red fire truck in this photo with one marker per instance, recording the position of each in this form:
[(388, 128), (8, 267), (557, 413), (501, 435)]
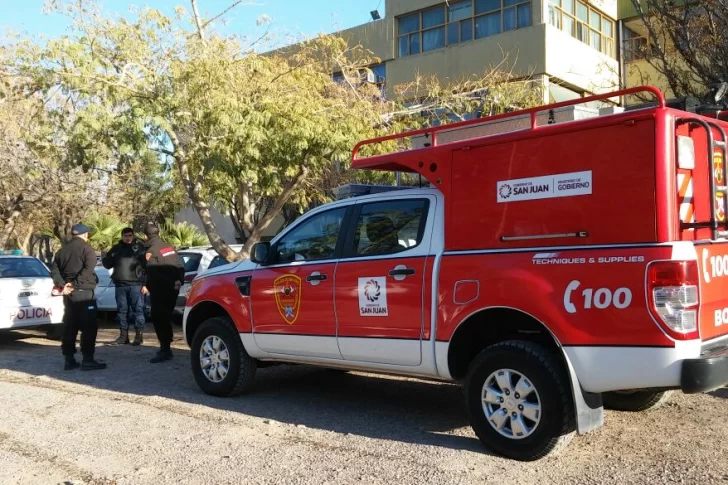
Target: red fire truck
[(552, 268)]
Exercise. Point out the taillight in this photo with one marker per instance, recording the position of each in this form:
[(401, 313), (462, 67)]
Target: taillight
[(674, 299), (189, 277)]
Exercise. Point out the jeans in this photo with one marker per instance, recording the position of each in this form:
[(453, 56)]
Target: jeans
[(79, 316), (130, 306)]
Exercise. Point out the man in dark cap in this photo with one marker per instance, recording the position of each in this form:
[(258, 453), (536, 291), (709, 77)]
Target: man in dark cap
[(164, 277), (73, 271)]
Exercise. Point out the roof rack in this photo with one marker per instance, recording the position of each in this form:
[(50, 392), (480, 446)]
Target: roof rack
[(532, 113), (358, 190)]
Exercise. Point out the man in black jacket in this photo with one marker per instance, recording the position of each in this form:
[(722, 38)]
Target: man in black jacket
[(164, 276), (73, 271), (127, 261)]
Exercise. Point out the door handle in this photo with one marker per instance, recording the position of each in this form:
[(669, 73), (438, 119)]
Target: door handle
[(400, 271), (316, 277)]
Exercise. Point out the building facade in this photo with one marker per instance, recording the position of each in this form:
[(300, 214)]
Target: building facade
[(569, 46)]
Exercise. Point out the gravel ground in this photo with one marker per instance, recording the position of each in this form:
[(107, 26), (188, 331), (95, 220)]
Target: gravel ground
[(137, 423)]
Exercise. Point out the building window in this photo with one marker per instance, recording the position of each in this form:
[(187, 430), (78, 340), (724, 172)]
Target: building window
[(634, 46), (583, 22), (459, 21)]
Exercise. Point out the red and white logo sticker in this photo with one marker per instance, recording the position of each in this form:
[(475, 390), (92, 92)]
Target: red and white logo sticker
[(373, 297)]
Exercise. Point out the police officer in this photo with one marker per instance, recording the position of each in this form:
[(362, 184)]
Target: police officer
[(127, 260), (73, 271), (164, 277)]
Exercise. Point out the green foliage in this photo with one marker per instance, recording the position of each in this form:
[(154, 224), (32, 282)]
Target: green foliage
[(182, 234), (105, 231)]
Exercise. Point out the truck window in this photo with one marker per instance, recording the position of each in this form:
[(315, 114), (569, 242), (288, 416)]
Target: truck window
[(314, 239), (389, 227)]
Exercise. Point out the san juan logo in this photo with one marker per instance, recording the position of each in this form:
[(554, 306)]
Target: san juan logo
[(288, 296), (505, 191)]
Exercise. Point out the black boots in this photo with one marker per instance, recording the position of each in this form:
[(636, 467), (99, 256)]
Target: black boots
[(165, 353), (88, 364), (91, 364), (139, 338), (71, 363), (123, 338)]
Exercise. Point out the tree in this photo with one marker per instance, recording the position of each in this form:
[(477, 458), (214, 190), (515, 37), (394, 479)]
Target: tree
[(105, 231), (252, 134), (686, 44)]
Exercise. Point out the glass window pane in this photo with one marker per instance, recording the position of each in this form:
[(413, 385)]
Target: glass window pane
[(403, 46), (314, 239), (595, 20), (524, 15), (568, 25), (595, 40), (433, 17), (607, 27), (554, 16), (582, 13), (488, 25), (389, 227), (453, 33), (380, 70), (582, 32), (23, 268), (608, 47), (460, 11), (555, 2), (482, 6), (408, 24), (433, 39), (568, 6), (466, 30), (508, 3), (414, 43), (509, 19)]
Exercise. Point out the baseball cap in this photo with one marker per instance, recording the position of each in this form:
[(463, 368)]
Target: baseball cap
[(79, 229)]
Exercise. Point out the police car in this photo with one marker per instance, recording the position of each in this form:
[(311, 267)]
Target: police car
[(25, 293)]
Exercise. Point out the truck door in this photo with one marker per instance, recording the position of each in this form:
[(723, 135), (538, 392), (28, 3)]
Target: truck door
[(380, 281), (292, 298)]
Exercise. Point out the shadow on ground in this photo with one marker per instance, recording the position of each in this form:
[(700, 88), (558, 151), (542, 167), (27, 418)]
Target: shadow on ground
[(404, 410)]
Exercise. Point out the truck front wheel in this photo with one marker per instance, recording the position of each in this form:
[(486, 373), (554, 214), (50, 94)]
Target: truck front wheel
[(519, 401), (220, 363), (635, 401)]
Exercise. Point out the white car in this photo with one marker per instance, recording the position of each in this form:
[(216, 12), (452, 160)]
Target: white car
[(25, 294), (197, 260)]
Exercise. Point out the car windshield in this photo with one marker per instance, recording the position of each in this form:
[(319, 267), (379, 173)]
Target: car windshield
[(22, 268), (191, 261)]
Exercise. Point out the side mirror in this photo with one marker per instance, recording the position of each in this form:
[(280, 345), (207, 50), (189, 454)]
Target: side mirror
[(260, 253)]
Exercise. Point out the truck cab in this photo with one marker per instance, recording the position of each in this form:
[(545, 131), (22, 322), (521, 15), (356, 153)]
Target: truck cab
[(552, 269)]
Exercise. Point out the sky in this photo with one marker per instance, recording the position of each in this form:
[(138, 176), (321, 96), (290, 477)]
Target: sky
[(288, 17)]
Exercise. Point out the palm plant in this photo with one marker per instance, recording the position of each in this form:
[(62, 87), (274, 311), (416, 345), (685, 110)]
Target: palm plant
[(105, 231), (183, 234)]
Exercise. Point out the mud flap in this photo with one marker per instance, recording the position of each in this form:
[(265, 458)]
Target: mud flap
[(588, 406)]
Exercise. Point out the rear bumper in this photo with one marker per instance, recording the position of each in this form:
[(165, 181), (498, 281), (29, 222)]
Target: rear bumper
[(706, 373)]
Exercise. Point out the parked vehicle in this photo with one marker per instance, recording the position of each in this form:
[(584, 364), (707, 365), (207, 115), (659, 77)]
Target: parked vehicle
[(197, 260), (106, 293), (26, 299), (551, 268)]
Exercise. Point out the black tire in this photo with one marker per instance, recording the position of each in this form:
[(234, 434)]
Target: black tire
[(556, 421), (241, 372), (635, 401)]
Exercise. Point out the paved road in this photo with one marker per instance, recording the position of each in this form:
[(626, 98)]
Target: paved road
[(137, 423)]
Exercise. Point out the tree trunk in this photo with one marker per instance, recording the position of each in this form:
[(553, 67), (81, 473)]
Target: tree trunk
[(25, 245), (271, 214), (200, 205)]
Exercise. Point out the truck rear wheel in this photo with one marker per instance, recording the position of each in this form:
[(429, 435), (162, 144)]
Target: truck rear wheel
[(635, 401), (220, 363), (518, 400)]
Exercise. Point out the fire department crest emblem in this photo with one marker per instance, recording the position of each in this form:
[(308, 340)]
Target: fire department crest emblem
[(288, 296)]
